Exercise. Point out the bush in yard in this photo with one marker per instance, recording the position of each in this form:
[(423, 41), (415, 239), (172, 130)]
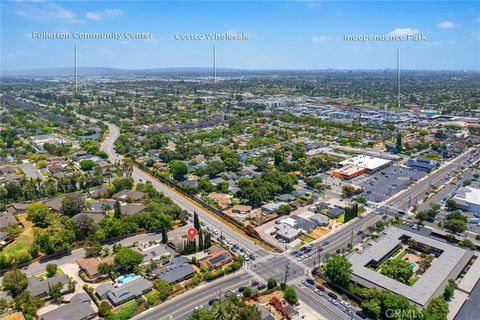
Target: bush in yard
[(104, 309)]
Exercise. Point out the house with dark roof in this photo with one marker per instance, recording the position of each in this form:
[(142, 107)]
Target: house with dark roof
[(335, 212), (217, 257), (98, 192), (95, 216), (125, 292), (177, 271), (132, 208), (125, 195), (7, 219), (40, 288), (17, 208), (78, 308)]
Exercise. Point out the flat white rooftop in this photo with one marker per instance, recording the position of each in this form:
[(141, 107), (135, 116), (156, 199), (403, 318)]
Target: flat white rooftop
[(469, 195), (452, 260), (367, 162)]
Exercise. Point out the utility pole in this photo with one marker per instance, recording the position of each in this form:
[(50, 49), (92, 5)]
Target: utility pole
[(287, 266), (351, 239)]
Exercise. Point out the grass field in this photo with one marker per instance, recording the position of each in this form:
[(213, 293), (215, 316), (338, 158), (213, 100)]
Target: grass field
[(24, 241), (306, 238)]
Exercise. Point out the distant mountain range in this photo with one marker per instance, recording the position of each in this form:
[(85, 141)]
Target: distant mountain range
[(184, 71), (91, 71)]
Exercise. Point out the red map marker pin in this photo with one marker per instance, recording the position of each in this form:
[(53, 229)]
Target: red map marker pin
[(192, 233)]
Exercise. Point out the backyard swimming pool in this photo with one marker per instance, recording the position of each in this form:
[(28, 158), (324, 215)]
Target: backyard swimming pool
[(124, 279), (413, 264)]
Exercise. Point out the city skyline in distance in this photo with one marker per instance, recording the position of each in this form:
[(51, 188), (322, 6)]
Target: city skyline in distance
[(281, 35)]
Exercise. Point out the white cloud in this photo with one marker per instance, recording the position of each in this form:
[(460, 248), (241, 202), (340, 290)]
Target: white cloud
[(44, 10), (92, 16), (403, 32), (447, 25), (320, 38), (99, 15)]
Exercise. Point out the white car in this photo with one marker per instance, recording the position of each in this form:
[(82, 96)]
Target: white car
[(345, 304), (198, 307)]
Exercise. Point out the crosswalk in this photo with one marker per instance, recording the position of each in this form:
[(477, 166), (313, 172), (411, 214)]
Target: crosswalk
[(297, 281), (255, 275)]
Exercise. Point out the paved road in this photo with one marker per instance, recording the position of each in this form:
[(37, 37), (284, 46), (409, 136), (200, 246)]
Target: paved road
[(181, 306)]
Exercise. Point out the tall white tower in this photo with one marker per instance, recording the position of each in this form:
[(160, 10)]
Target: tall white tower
[(214, 64), (75, 73), (398, 77)]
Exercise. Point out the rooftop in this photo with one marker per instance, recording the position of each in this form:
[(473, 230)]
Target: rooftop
[(427, 285), (367, 162)]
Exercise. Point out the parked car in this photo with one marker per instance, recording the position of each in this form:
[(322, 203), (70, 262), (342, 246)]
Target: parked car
[(361, 314), (320, 293), (310, 281), (212, 301), (254, 283), (332, 295), (345, 304), (320, 287), (333, 301), (241, 289), (261, 286)]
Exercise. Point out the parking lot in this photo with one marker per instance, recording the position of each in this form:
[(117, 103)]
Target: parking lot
[(385, 183)]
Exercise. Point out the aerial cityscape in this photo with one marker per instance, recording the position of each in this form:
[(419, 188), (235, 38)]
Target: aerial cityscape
[(228, 160)]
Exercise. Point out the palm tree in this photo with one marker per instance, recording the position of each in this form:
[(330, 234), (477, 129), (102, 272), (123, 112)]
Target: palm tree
[(223, 311)]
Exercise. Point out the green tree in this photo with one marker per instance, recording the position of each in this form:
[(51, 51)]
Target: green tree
[(398, 143), (163, 288), (164, 235), (28, 304), (338, 269), (55, 292), (451, 204), (38, 213), (437, 309), (104, 309), (128, 259), (72, 204), (449, 289), (372, 308), (398, 269), (196, 221), (284, 209), (178, 169), (87, 165), (456, 226), (15, 281), (51, 270), (117, 209), (247, 292), (290, 295), (271, 283)]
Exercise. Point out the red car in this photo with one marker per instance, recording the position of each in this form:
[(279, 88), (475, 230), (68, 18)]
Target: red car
[(320, 287)]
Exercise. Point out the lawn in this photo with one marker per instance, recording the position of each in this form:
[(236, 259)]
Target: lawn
[(341, 218), (24, 241), (306, 238)]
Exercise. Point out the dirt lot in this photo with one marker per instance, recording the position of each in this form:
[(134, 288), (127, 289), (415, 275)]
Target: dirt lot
[(318, 233)]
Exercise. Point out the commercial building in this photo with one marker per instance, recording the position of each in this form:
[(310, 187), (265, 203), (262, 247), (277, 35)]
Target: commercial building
[(348, 172), (369, 163), (468, 199), (449, 263), (422, 164)]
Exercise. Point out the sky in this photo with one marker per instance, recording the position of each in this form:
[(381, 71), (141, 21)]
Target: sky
[(281, 34)]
